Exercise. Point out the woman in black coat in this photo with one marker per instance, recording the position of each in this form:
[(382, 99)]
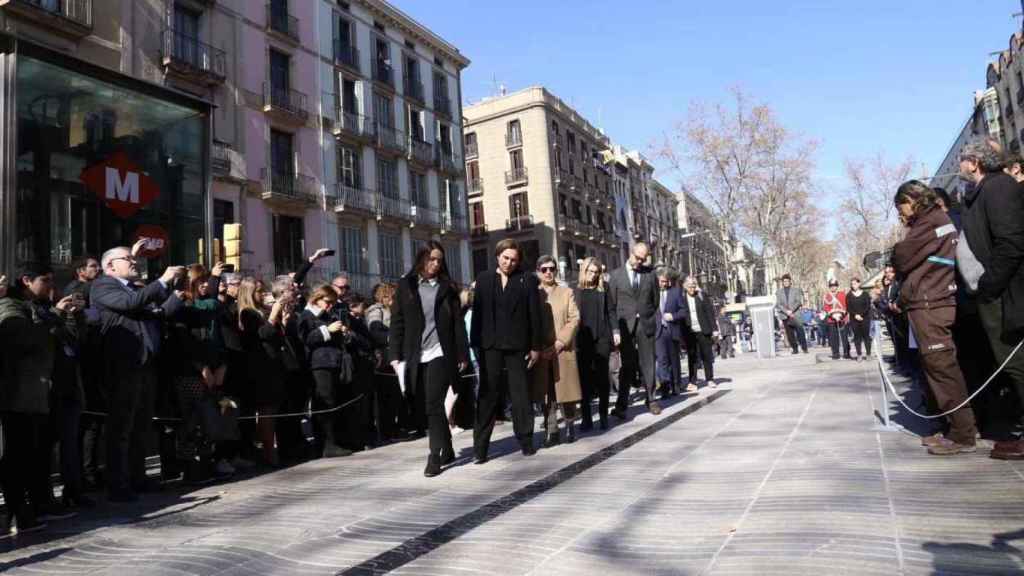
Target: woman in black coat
[(593, 341), (858, 304), (324, 337), (428, 335)]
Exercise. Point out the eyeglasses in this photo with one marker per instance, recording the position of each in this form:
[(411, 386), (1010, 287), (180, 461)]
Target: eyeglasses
[(547, 269), (341, 287), (125, 258)]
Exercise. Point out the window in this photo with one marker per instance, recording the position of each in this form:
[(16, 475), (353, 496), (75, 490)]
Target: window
[(390, 246), (349, 98), (441, 102), (563, 205), (454, 261), (515, 160), (589, 216), (289, 243), (514, 135), (349, 167), (383, 111), (223, 213), (470, 140), (280, 81), (386, 184), (342, 34), (416, 124), (351, 257), (476, 215), (281, 155), (518, 205), (444, 137), (411, 76), (382, 60), (577, 210), (473, 171), (186, 36), (418, 189)]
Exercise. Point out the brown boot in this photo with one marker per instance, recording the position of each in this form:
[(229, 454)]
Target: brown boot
[(948, 447)]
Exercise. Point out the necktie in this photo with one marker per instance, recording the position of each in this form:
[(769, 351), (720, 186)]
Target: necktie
[(636, 280)]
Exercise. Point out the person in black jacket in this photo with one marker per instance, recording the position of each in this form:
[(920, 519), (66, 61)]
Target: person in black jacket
[(130, 324), (323, 337), (428, 335), (699, 327), (594, 342), (993, 225), (858, 304), (506, 329)]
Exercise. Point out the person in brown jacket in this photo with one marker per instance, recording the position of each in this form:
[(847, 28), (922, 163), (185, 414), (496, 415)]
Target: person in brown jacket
[(556, 379), (925, 258)]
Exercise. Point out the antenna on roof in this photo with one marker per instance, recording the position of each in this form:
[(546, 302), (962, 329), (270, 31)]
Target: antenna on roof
[(497, 88)]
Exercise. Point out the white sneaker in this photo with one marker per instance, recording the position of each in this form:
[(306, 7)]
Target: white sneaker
[(224, 468)]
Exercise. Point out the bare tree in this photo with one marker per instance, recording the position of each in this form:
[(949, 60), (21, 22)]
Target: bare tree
[(866, 217)]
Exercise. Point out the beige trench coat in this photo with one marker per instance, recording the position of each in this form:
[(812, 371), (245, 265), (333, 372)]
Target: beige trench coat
[(559, 320)]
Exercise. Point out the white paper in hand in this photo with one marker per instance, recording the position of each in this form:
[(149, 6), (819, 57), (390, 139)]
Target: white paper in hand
[(400, 370)]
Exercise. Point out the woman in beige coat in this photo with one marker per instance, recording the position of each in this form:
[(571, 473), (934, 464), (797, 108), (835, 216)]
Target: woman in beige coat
[(556, 380)]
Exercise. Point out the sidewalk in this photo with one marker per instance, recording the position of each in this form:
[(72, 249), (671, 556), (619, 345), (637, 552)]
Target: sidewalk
[(781, 473)]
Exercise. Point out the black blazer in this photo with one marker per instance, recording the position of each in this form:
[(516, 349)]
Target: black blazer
[(596, 322), (407, 323), (324, 353), (525, 330), (123, 313), (627, 302), (705, 315)]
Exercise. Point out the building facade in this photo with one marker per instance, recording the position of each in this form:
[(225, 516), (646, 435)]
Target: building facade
[(317, 124), (536, 173)]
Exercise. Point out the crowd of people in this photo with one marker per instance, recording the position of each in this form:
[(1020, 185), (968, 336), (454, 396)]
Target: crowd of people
[(214, 371)]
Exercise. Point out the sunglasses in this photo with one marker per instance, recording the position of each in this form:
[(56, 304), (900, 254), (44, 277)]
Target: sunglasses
[(546, 269)]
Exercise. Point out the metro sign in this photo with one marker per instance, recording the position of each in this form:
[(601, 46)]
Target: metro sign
[(120, 184)]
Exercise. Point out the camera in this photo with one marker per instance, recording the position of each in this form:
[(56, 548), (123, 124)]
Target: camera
[(229, 268)]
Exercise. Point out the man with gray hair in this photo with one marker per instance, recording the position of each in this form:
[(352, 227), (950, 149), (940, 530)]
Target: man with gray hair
[(993, 228), (130, 320), (633, 296)]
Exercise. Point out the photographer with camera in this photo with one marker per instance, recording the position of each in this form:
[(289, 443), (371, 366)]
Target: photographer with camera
[(130, 326)]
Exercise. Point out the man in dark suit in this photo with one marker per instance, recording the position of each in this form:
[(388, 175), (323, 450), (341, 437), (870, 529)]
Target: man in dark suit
[(506, 331), (634, 300), (668, 336), (699, 328), (130, 327)]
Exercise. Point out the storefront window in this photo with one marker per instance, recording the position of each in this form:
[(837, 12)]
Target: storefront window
[(98, 165)]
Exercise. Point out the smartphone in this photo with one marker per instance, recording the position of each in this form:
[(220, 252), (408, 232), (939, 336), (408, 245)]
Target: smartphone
[(78, 299), (228, 268), (330, 252)]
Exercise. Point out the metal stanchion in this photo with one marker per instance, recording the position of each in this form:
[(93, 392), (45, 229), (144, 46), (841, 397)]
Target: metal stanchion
[(887, 425)]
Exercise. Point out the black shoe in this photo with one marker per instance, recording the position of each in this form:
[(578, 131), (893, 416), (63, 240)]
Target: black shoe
[(336, 452), (570, 433), (480, 459), (30, 525), (447, 455), (527, 448), (147, 486), (552, 440), (122, 497), (604, 423), (80, 501), (433, 466), (586, 426), (54, 511), (618, 413)]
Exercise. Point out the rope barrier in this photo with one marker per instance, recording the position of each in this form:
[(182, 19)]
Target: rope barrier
[(888, 382), (257, 416)]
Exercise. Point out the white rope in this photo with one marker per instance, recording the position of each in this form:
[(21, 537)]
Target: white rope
[(885, 378)]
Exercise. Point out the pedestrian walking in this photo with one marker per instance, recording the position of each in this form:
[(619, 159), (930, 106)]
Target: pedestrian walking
[(594, 342), (555, 377), (634, 298), (699, 327)]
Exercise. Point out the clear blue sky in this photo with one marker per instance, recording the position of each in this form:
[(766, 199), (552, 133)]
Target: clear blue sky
[(861, 77)]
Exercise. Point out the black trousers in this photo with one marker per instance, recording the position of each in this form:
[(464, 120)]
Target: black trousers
[(66, 419), (698, 345), (493, 362), (594, 381), (991, 316), (432, 384), (796, 336), (836, 335), (326, 384), (861, 335), (25, 466), (129, 428), (637, 352), (291, 441)]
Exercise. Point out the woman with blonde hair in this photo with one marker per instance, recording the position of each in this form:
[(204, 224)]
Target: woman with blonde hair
[(264, 377), (389, 401), (593, 341)]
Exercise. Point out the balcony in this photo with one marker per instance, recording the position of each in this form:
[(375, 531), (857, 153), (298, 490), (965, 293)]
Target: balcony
[(282, 24), (420, 151), (425, 215), (346, 55), (445, 161), (226, 163), (476, 186), (382, 73), (354, 199), (288, 188), (390, 141), (442, 104), (513, 139), (69, 17), (453, 223), (352, 125), (472, 150), (192, 60), (284, 104), (389, 205), (516, 177), (478, 230), (413, 89), (519, 224)]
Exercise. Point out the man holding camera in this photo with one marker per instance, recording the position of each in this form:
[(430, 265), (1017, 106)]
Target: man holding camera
[(130, 320)]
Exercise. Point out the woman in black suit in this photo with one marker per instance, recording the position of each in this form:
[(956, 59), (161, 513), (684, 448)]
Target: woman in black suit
[(324, 338), (428, 335), (594, 341)]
